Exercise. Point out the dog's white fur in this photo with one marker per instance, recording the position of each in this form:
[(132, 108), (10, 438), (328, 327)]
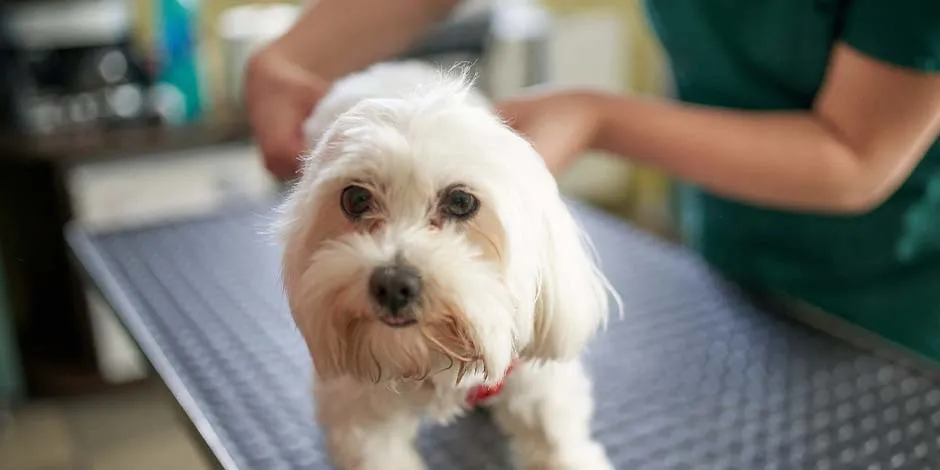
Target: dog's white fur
[(516, 282)]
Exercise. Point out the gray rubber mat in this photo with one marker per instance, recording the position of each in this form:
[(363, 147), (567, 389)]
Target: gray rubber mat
[(693, 378)]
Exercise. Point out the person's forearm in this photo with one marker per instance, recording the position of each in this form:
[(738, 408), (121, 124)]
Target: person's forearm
[(337, 37), (777, 159)]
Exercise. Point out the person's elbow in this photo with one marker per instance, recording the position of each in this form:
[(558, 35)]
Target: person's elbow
[(440, 9), (859, 187), (860, 199)]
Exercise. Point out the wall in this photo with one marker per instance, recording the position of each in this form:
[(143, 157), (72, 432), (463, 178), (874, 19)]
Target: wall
[(638, 193)]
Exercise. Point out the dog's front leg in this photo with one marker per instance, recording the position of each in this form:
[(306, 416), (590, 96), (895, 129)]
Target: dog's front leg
[(367, 429), (546, 410)]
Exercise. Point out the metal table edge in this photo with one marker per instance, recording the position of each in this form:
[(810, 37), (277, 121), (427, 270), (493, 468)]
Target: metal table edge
[(93, 265), (857, 337)]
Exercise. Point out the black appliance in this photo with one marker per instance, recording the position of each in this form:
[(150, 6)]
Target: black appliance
[(70, 66)]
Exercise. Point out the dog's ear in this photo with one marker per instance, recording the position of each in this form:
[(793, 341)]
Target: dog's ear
[(300, 211), (574, 296), (294, 213)]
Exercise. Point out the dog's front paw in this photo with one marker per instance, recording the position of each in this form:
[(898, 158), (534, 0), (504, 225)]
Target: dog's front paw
[(397, 459), (586, 456), (411, 463)]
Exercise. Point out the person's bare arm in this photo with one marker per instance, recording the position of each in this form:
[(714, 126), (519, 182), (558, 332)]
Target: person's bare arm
[(336, 37), (870, 126), (286, 79)]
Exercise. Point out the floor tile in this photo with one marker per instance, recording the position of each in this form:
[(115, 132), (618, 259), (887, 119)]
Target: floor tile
[(160, 451), (38, 439), (111, 418)]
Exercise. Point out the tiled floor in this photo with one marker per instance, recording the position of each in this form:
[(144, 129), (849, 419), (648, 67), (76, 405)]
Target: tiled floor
[(133, 428)]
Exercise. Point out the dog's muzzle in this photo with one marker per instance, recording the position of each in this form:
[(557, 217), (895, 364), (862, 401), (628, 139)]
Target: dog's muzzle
[(395, 289)]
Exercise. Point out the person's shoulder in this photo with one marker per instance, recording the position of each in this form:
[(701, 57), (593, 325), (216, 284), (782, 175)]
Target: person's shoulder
[(905, 33)]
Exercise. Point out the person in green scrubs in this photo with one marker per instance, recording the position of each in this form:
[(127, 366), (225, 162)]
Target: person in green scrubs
[(805, 131)]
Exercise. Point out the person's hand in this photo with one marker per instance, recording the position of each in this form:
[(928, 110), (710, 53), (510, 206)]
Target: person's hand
[(561, 124), (279, 96)]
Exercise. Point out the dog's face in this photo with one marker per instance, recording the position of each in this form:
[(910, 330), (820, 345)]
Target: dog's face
[(426, 239)]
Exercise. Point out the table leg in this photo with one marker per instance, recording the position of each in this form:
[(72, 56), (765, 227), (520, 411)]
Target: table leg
[(48, 306)]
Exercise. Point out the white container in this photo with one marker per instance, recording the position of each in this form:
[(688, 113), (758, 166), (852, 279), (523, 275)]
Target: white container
[(518, 47), (243, 30)]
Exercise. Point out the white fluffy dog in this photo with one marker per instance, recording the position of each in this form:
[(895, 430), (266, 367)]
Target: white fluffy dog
[(431, 266)]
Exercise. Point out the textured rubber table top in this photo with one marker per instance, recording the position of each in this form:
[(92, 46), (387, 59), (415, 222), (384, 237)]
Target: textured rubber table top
[(694, 377)]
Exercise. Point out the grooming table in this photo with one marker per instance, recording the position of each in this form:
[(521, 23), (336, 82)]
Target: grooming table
[(694, 377)]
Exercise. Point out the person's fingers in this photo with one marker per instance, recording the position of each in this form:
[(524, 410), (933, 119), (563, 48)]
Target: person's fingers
[(308, 88), (283, 169), (278, 142), (511, 112), (289, 138), (282, 159), (280, 97), (518, 114), (554, 131)]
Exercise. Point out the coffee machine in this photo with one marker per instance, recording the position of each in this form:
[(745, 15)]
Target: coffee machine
[(70, 66)]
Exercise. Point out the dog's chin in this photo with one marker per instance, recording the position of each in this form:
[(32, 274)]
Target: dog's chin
[(382, 348), (394, 349), (397, 322)]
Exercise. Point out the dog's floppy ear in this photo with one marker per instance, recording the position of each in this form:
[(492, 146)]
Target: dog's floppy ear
[(574, 296)]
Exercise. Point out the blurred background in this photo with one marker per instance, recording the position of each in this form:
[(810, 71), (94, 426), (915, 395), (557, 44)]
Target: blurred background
[(121, 112)]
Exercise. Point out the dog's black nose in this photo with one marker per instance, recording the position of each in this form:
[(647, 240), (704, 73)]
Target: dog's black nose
[(394, 287)]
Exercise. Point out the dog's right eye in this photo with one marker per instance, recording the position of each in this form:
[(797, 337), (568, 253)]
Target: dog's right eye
[(356, 201)]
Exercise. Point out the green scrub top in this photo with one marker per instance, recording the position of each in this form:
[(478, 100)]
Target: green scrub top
[(880, 270)]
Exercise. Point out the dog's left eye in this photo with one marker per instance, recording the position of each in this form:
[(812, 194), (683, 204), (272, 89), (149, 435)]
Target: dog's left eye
[(356, 201), (460, 204)]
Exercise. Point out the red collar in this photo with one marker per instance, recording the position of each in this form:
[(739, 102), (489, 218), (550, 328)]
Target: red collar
[(481, 393)]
